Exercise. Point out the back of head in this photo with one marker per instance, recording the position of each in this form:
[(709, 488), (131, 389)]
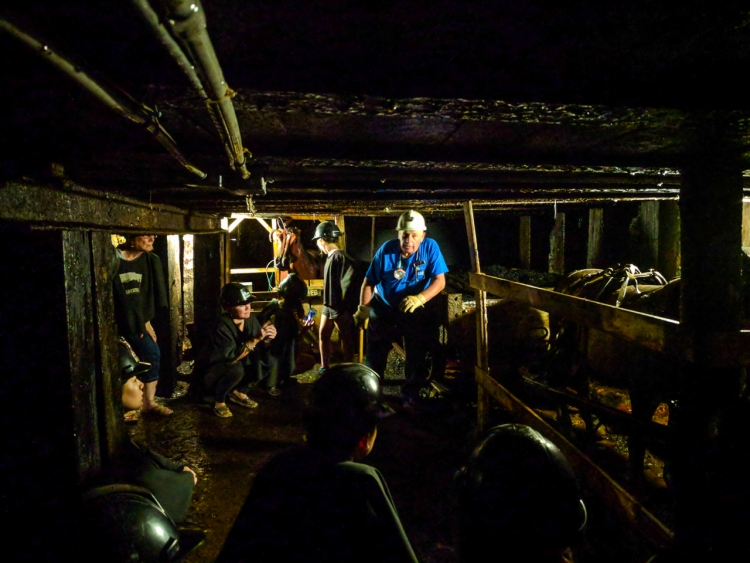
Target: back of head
[(328, 231), (345, 405), (293, 288), (518, 490), (125, 523)]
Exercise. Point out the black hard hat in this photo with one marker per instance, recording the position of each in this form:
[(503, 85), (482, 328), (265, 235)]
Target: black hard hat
[(125, 523), (292, 287), (349, 388), (328, 231), (517, 484), (130, 364), (233, 294)]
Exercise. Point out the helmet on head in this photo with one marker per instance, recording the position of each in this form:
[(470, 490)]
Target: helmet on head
[(125, 523), (293, 288), (130, 364), (517, 484), (328, 231), (233, 294), (411, 221), (345, 405)]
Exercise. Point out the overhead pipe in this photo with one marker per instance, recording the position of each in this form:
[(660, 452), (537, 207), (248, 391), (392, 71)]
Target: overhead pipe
[(187, 23), (120, 103)]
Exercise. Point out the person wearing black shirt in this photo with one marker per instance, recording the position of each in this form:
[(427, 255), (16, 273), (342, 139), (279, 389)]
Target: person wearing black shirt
[(342, 280), (230, 355), (139, 289), (317, 502)]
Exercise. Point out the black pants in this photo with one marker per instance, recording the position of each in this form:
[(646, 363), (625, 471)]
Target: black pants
[(417, 331), (221, 379)]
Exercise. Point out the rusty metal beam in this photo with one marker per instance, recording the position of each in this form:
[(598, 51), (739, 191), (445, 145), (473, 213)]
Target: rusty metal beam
[(655, 333), (632, 512), (76, 207)]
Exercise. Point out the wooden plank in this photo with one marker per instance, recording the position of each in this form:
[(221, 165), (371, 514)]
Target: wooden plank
[(649, 215), (557, 246), (104, 264), (82, 351), (669, 262), (596, 231), (525, 242), (481, 295), (655, 333), (632, 512), (372, 239), (174, 283), (745, 223), (341, 224), (76, 207), (251, 270)]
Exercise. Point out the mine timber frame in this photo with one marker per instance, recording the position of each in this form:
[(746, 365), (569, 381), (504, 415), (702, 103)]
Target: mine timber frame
[(73, 207), (654, 332)]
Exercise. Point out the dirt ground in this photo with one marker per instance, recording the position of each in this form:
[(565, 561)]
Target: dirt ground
[(417, 452)]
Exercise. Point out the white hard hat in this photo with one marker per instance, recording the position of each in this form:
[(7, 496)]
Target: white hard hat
[(411, 221)]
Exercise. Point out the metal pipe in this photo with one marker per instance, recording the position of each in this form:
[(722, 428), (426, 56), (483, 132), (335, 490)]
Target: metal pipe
[(188, 24), (121, 104)]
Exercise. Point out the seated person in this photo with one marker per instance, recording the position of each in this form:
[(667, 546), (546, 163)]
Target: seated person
[(518, 500), (229, 364), (317, 503), (287, 315), (169, 481)]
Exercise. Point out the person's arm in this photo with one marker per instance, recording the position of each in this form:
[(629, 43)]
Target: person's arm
[(267, 333), (362, 313), (411, 303)]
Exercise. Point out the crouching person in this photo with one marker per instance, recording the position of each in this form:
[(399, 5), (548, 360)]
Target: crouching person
[(230, 362), (518, 499), (317, 503)]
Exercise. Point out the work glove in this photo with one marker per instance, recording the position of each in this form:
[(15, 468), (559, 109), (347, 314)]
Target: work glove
[(411, 303), (361, 316)]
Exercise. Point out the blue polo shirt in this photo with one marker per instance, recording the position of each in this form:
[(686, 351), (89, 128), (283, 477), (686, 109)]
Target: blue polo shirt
[(388, 259)]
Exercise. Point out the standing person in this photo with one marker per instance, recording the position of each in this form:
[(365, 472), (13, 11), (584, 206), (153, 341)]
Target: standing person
[(405, 274), (341, 285), (317, 503), (230, 355), (139, 289)]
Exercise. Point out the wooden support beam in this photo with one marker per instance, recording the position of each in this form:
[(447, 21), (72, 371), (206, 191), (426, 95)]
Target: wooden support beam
[(652, 332), (525, 242), (112, 429), (341, 224), (234, 271), (75, 207), (649, 215), (669, 258), (372, 239), (265, 225), (557, 246), (596, 231), (208, 264), (176, 310), (481, 315), (632, 512)]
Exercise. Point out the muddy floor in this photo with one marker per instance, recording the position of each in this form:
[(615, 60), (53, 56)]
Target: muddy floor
[(417, 452)]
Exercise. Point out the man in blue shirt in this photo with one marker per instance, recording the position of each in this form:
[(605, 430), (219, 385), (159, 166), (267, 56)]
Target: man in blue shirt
[(405, 274)]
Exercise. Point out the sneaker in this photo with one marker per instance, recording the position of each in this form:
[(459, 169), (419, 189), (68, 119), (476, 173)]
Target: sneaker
[(274, 391), (247, 402), (222, 412)]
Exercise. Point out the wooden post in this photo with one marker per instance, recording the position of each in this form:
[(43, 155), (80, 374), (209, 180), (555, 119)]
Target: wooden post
[(669, 261), (557, 246), (276, 252), (649, 215), (372, 239), (711, 232), (208, 264), (746, 224), (104, 263), (483, 399), (226, 259), (174, 284), (596, 230), (341, 224), (525, 242)]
